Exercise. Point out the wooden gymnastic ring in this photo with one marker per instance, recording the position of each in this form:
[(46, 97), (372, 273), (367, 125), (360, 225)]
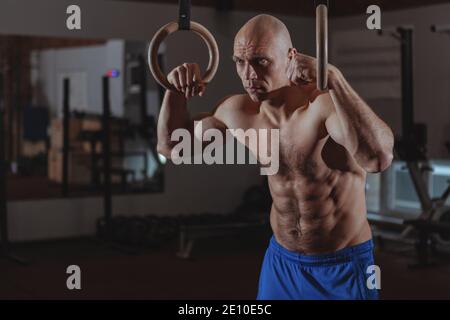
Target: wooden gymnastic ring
[(322, 46), (170, 28)]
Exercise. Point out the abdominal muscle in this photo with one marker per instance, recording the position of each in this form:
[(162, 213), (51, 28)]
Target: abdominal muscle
[(321, 214)]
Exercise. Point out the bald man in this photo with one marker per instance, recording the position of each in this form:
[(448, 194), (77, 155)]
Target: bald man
[(321, 246)]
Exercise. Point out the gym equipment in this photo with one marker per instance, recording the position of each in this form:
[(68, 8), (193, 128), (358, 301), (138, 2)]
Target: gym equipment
[(95, 137), (106, 228), (106, 150), (143, 93), (65, 166), (184, 23), (251, 214), (162, 230), (147, 231), (322, 43), (189, 234), (5, 251), (35, 123), (440, 28), (412, 149)]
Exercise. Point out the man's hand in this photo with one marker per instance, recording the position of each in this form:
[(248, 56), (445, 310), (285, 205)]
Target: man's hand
[(302, 69), (187, 79)]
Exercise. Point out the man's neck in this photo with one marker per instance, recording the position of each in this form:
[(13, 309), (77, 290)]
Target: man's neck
[(288, 97), (282, 103)]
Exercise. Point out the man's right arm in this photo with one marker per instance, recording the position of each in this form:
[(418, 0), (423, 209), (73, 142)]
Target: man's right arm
[(174, 113)]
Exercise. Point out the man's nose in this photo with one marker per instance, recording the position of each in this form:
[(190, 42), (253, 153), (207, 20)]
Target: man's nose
[(249, 72)]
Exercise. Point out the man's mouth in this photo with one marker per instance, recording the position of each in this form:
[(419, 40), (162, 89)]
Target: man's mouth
[(254, 88)]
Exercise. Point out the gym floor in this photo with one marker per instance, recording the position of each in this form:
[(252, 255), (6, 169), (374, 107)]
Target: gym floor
[(221, 268)]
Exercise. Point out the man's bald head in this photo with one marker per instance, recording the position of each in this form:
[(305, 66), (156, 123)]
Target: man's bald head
[(262, 51), (264, 29)]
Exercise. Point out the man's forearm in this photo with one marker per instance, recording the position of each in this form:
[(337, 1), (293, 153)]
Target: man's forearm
[(173, 115), (367, 137)]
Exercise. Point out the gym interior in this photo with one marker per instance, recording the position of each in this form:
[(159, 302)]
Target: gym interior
[(83, 183)]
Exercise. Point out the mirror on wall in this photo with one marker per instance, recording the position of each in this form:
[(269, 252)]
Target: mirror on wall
[(52, 99)]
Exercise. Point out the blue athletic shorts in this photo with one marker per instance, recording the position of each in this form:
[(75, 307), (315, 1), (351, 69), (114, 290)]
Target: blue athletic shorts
[(287, 275)]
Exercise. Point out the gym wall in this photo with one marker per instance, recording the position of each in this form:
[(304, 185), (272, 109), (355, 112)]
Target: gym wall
[(188, 189)]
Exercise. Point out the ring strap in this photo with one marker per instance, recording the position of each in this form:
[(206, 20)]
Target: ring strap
[(184, 15)]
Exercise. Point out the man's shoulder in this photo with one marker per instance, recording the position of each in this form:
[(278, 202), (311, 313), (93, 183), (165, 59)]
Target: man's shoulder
[(233, 110), (233, 103)]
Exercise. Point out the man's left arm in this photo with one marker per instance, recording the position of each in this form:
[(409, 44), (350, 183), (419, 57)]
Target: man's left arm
[(353, 124)]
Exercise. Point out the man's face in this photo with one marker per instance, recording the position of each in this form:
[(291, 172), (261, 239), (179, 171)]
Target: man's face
[(261, 65)]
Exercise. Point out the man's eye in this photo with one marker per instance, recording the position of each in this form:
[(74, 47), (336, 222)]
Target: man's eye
[(263, 61), (239, 61)]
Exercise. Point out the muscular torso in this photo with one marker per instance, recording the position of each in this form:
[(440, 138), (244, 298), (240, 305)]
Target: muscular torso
[(318, 192)]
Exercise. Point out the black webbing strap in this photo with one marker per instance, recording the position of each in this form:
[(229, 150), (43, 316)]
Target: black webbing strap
[(184, 16)]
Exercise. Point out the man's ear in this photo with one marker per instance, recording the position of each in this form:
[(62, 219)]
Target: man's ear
[(292, 52)]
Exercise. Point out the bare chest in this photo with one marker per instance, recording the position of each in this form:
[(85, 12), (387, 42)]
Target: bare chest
[(295, 143), (299, 150)]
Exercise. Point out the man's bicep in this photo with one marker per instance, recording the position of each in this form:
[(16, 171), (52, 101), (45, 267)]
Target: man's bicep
[(332, 122), (216, 112), (334, 128), (209, 120), (202, 115)]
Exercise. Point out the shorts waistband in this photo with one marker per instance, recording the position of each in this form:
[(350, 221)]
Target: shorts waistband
[(340, 256)]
